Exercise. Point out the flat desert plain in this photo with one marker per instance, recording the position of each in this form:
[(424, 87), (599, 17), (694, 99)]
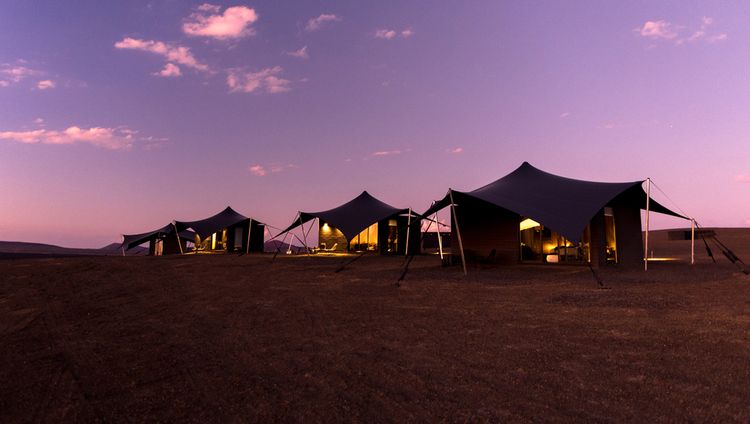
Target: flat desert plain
[(239, 338)]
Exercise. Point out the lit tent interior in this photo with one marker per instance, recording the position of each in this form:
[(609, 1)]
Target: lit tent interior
[(363, 224), (533, 216), (226, 231)]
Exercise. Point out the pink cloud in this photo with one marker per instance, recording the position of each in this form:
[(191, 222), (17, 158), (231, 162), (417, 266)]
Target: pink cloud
[(170, 70), (109, 138), (267, 80), (176, 54), (386, 153), (386, 34), (235, 22), (742, 178), (390, 34), (663, 30), (45, 84), (15, 73), (317, 23), (299, 54), (258, 170), (456, 150), (658, 29)]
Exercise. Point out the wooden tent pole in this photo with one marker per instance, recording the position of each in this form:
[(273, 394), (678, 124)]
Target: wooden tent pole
[(177, 233), (440, 238), (458, 231), (692, 241), (249, 229), (301, 224), (408, 228), (648, 209)]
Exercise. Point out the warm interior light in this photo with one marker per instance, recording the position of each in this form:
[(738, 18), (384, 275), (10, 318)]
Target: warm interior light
[(326, 228), (529, 223)]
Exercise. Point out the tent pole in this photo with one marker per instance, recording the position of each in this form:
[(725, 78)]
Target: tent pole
[(123, 251), (249, 228), (648, 210), (303, 232), (458, 231), (440, 238), (408, 228), (177, 233), (692, 241)]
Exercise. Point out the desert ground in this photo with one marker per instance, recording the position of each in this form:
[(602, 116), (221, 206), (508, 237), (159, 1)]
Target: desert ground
[(225, 338)]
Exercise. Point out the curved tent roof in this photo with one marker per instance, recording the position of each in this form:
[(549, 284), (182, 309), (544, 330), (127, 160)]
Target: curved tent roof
[(205, 227), (564, 204), (353, 216), (132, 240)]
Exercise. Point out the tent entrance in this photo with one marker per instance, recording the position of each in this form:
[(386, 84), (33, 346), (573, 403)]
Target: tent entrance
[(539, 244), (366, 240)]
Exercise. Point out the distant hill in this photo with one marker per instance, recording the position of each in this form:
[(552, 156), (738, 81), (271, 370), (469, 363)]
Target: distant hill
[(20, 249)]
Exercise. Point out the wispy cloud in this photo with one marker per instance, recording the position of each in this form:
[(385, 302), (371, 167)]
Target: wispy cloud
[(14, 73), (170, 70), (390, 34), (173, 54), (456, 150), (299, 54), (258, 170), (207, 21), (662, 30), (273, 168), (314, 24), (742, 178), (267, 80), (658, 29), (564, 114), (386, 153), (45, 84), (108, 138)]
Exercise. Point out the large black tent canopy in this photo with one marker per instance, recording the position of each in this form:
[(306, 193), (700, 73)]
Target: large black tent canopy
[(132, 240), (222, 220), (564, 204), (352, 217)]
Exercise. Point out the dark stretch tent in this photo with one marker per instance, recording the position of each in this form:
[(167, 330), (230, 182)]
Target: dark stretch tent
[(565, 205), (356, 216), (165, 233), (237, 231)]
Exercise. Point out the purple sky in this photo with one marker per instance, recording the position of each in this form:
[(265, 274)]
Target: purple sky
[(118, 117)]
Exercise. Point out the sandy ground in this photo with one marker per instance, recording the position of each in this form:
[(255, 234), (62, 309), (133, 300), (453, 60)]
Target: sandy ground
[(227, 338)]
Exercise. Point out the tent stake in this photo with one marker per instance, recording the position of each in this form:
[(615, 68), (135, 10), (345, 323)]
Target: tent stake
[(458, 231), (408, 228), (177, 233), (648, 209)]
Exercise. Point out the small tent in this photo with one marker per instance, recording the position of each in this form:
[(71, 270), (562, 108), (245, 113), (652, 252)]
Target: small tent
[(226, 231), (162, 241), (364, 224), (533, 216)]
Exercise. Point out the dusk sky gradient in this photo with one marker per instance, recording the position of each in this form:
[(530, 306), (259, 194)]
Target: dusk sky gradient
[(119, 117)]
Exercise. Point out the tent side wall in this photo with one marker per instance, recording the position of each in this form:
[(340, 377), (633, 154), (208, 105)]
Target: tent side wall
[(170, 246), (488, 232), (237, 236), (401, 224), (257, 237), (629, 238)]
